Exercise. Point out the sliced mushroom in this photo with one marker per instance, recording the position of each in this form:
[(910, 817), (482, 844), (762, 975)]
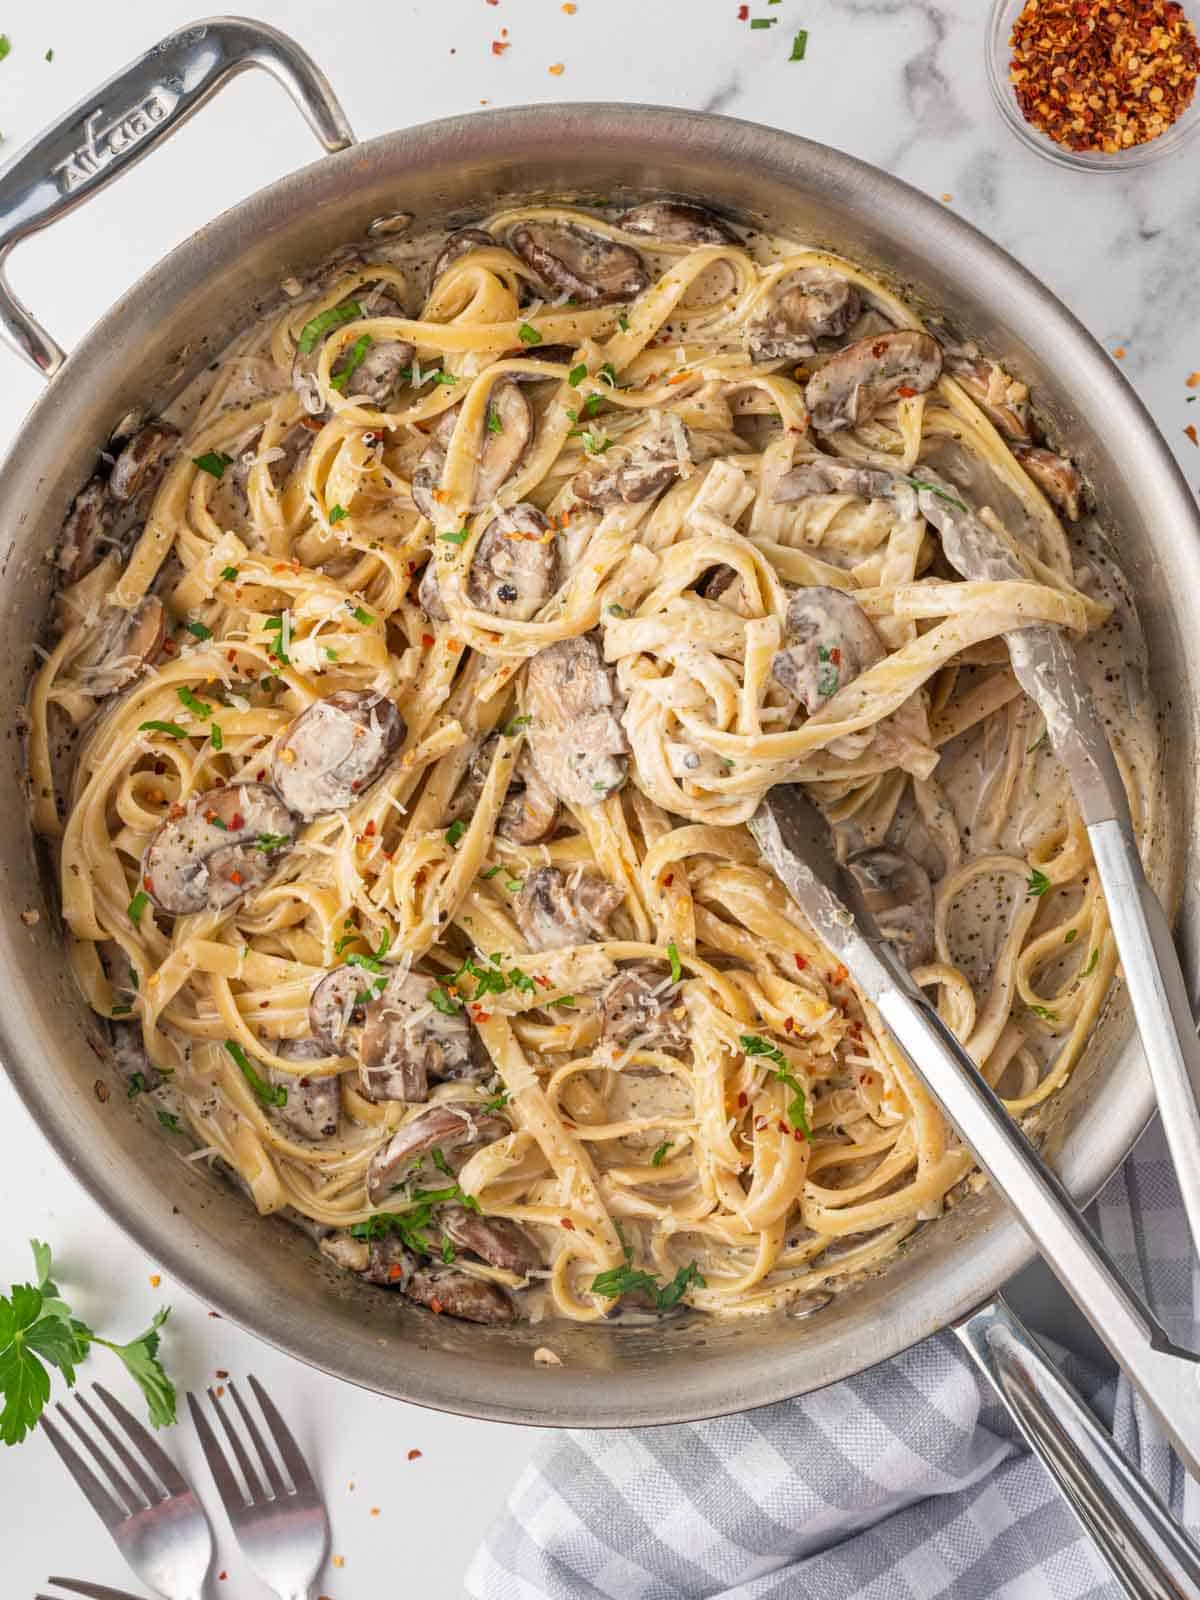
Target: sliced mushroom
[(88, 524), (226, 842), (1003, 400), (678, 222), (515, 566), (577, 743), (313, 1105), (637, 1004), (635, 473), (831, 476), (1056, 476), (499, 1241), (530, 811), (121, 644), (899, 897), (142, 461), (385, 1261), (575, 261), (406, 1040), (830, 641), (800, 308), (459, 1294), (429, 595), (556, 909), (337, 1006), (506, 438), (560, 355), (458, 245), (335, 750), (853, 384), (451, 1127)]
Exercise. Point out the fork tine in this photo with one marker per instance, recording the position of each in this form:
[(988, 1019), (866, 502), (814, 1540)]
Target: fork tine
[(293, 1460), (168, 1473), (253, 1485), (264, 1455), (95, 1591), (94, 1492), (125, 1490), (232, 1496), (129, 1461)]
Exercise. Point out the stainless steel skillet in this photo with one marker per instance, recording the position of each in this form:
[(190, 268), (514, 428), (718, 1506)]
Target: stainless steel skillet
[(262, 1273)]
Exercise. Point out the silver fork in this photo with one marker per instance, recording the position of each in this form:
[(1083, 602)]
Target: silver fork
[(284, 1534), (159, 1526)]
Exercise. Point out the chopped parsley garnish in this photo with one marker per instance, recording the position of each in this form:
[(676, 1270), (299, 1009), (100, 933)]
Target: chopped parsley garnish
[(199, 630), (796, 1110), (348, 311), (336, 514), (137, 1085), (213, 462), (763, 22), (364, 617), (1038, 742), (198, 708), (172, 729), (514, 727), (1072, 935), (443, 1001), (217, 737), (266, 842), (279, 647), (577, 374), (594, 444), (136, 906), (497, 1101), (528, 335), (608, 374), (492, 871), (121, 1011), (372, 962), (353, 361), (828, 676), (614, 610), (1038, 883), (347, 938), (676, 964), (623, 322), (622, 1280), (331, 655), (1044, 1012), (455, 832), (660, 1155), (267, 1094), (1091, 966), (923, 483), (169, 1121), (38, 1330), (799, 45), (514, 885), (495, 423), (229, 574), (567, 1000), (459, 536)]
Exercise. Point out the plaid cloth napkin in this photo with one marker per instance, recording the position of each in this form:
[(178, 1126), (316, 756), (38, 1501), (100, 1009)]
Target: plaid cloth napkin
[(905, 1483)]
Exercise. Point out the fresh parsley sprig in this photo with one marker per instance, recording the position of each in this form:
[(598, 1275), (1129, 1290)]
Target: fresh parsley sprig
[(39, 1330)]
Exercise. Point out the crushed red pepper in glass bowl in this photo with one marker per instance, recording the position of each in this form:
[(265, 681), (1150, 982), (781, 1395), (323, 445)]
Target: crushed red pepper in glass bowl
[(1096, 84)]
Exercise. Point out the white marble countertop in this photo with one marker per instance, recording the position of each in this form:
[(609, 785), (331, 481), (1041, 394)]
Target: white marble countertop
[(898, 82)]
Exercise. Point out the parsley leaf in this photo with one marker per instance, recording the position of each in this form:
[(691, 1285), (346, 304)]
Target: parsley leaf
[(577, 374), (796, 1110), (348, 311), (140, 1356), (514, 727), (676, 964), (171, 728), (923, 483), (621, 1280), (455, 832), (623, 322), (1038, 883), (1091, 966), (267, 1094), (198, 707), (1045, 1013), (363, 617), (660, 1155), (529, 335), (169, 1121), (458, 537), (443, 1001), (198, 628), (358, 350), (137, 905), (336, 513), (213, 462), (799, 45), (229, 574)]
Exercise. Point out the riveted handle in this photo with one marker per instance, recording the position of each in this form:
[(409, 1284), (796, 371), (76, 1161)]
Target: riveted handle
[(127, 117)]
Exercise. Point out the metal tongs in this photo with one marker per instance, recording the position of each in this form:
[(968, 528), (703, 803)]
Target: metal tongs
[(1045, 666), (1148, 1552)]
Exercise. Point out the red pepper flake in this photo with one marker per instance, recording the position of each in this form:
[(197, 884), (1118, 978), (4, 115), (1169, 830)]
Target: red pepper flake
[(414, 1455), (879, 348), (221, 1373), (743, 1100), (801, 963), (221, 1577), (481, 1016), (668, 880), (427, 640), (743, 13), (374, 1511), (567, 1224), (1193, 381), (1093, 75), (436, 1307), (169, 647), (498, 48), (905, 393), (1190, 430), (369, 830), (395, 1271), (788, 1025), (231, 655), (545, 982), (237, 821), (235, 877)]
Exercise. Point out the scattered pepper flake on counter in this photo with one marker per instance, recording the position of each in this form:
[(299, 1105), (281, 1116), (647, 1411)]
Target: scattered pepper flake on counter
[(414, 1455), (1119, 352), (155, 1280), (1096, 76), (743, 13), (338, 1561), (1190, 430), (498, 47), (1193, 381), (557, 69)]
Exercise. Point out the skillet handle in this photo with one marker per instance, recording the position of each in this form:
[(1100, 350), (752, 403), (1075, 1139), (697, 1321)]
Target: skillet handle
[(127, 117), (1150, 1555)]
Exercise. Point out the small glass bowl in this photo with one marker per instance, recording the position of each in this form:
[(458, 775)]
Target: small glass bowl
[(999, 58)]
